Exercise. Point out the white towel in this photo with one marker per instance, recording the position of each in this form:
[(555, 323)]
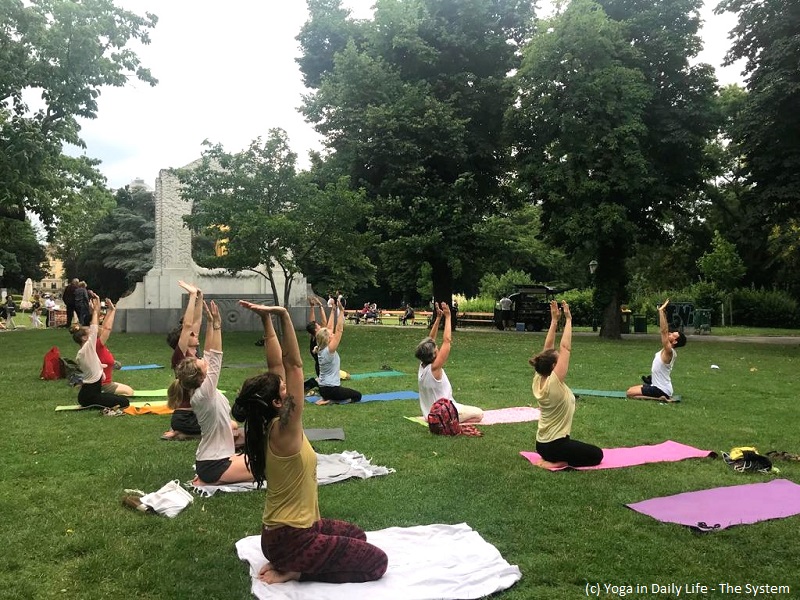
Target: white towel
[(330, 469), (426, 562)]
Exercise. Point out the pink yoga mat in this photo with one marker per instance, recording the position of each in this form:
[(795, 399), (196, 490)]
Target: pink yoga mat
[(722, 507), (614, 458), (516, 414)]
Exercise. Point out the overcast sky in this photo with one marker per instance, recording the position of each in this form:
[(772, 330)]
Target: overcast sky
[(227, 73)]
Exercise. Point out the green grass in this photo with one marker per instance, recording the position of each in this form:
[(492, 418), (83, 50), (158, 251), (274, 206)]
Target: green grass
[(65, 534)]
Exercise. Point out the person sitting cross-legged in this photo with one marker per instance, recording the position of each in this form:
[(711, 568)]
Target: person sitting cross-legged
[(433, 381)]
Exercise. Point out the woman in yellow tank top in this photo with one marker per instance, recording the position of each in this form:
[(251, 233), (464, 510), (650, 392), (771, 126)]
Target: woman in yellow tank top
[(299, 544)]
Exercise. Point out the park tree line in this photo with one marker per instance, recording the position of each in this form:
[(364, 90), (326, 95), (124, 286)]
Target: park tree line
[(468, 138)]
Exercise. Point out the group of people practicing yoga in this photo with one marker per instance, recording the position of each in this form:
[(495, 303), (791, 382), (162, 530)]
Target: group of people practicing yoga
[(298, 543)]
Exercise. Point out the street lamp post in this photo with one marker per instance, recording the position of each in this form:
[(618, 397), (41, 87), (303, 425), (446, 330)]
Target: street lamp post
[(592, 269), (2, 270)]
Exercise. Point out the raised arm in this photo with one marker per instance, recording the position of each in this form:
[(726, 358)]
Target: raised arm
[(555, 315), (444, 350), (565, 349), (213, 339), (323, 318), (272, 346), (337, 316), (663, 325), (108, 322), (437, 317), (191, 320)]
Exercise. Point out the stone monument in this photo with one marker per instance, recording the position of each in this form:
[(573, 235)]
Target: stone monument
[(157, 303)]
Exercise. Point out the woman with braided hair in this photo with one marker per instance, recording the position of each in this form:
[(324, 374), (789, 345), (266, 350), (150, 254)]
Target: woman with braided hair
[(299, 544)]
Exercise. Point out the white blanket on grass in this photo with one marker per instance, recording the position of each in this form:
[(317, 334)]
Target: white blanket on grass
[(330, 469), (426, 562)]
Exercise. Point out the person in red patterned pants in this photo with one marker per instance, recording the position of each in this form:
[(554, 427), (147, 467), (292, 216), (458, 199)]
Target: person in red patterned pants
[(299, 544)]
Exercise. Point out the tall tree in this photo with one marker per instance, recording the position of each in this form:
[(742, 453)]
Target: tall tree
[(411, 109), (767, 130), (70, 51), (611, 129), (119, 251), (268, 215), (21, 253)]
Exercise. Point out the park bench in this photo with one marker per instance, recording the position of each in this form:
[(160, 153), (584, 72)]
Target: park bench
[(475, 319)]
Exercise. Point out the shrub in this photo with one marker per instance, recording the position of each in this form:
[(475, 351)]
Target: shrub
[(764, 308), (580, 305)]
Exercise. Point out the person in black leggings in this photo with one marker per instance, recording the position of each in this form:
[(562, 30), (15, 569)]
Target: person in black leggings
[(557, 402), (91, 392)]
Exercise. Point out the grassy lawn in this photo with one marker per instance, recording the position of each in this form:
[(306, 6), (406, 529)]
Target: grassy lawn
[(65, 534)]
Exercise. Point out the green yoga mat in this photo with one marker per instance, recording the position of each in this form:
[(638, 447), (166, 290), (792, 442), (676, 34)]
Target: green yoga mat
[(376, 374), (610, 394)]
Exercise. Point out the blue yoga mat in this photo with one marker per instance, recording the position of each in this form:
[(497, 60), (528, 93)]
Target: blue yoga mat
[(140, 367), (401, 395)]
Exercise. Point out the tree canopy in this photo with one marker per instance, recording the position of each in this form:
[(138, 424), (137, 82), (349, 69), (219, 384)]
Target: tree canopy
[(611, 130), (66, 52), (265, 214), (411, 108)]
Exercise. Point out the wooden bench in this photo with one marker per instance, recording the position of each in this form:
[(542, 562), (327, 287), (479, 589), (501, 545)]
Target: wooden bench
[(476, 318)]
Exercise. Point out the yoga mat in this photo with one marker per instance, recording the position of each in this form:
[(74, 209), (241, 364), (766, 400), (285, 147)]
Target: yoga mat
[(376, 374), (425, 562), (614, 458), (401, 395), (611, 394), (148, 409), (134, 404), (515, 414), (316, 435), (140, 367), (723, 507)]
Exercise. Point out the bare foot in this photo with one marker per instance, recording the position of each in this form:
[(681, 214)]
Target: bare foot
[(546, 464), (269, 574), (322, 402)]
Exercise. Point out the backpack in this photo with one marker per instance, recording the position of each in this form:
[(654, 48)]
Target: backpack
[(747, 459), (443, 420), (71, 371), (51, 367)]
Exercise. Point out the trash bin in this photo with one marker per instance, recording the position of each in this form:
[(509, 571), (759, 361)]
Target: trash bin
[(639, 323), (626, 322)]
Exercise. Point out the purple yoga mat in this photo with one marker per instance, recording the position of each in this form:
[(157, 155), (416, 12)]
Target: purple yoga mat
[(722, 507), (516, 414), (614, 458)]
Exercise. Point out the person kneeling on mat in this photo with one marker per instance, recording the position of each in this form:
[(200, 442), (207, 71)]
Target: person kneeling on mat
[(196, 381), (557, 402), (299, 544), (91, 392)]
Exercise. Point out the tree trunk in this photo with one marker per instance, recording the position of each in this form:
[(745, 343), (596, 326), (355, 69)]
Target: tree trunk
[(609, 292), (442, 277)]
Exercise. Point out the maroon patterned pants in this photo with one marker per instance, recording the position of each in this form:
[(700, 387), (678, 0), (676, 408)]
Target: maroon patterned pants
[(330, 550)]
